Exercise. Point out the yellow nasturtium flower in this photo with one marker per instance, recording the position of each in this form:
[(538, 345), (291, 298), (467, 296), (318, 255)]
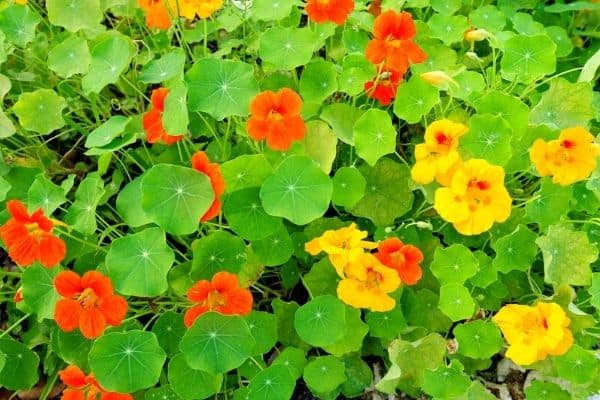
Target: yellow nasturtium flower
[(22, 2), (436, 158), (190, 8), (534, 332), (367, 284), (341, 245), (568, 159), (475, 198)]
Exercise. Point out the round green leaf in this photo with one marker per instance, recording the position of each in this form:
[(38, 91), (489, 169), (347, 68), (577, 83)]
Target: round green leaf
[(386, 325), (539, 390), (175, 117), (161, 393), (273, 383), (293, 359), (127, 362), (577, 365), (348, 187), (321, 321), (445, 382), (415, 99), (221, 88), (107, 132), (74, 15), (527, 58), (70, 57), (163, 69), (374, 135), (358, 376), (263, 327), (488, 17), (352, 341), (515, 251), (72, 347), (128, 195), (298, 190), (21, 366), (246, 217), (342, 117), (176, 197), (510, 108), (274, 249), (18, 23), (478, 339), (324, 374), (454, 264), (217, 343), (268, 10), (138, 264), (525, 24), (489, 137), (40, 111), (356, 70), (169, 329), (549, 203), (111, 53), (561, 39), (219, 251), (321, 279), (38, 290), (44, 194), (248, 170), (468, 85), (318, 81), (192, 384), (286, 48), (320, 144), (448, 28), (456, 302)]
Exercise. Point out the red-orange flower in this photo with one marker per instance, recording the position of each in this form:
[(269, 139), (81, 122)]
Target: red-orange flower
[(393, 44), (152, 120), (222, 294), (88, 302), (335, 11), (200, 162), (276, 118), (29, 238), (384, 87), (82, 387), (157, 14), (405, 259)]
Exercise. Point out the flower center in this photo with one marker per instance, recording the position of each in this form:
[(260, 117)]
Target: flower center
[(443, 139), (567, 144), (275, 115), (34, 229), (398, 257), (373, 278), (481, 185), (215, 299), (88, 298)]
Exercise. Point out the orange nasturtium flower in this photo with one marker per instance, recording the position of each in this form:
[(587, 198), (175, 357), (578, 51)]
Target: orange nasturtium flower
[(29, 238), (222, 294), (367, 284), (404, 258), (276, 118), (436, 158), (568, 159), (201, 163), (152, 119), (82, 387), (393, 44), (341, 245), (475, 199), (88, 302), (157, 14), (534, 332), (335, 11), (190, 8), (383, 88)]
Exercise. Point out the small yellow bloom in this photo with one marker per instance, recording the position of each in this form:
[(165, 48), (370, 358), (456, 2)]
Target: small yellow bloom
[(439, 79), (476, 35), (436, 158), (190, 8), (534, 332), (342, 245), (475, 199), (22, 2), (568, 159), (367, 284)]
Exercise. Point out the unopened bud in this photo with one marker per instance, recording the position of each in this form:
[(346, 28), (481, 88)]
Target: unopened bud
[(476, 35), (438, 78)]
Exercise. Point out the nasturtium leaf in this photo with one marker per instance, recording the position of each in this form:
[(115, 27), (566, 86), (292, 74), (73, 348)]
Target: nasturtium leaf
[(525, 24), (217, 343), (374, 135), (221, 88), (72, 347), (445, 382), (564, 105), (169, 330), (586, 200), (20, 370), (540, 390), (386, 325), (273, 383), (293, 359), (219, 251), (358, 376), (549, 204), (468, 85), (320, 144), (439, 58), (176, 197), (286, 47), (324, 374), (355, 40), (561, 38), (318, 81), (298, 190), (515, 251), (163, 392), (70, 57), (111, 54), (348, 187), (577, 365), (81, 216), (269, 10), (285, 312), (248, 170), (263, 327), (163, 69), (478, 339), (527, 58), (489, 138), (448, 28), (574, 6), (126, 362), (107, 132), (454, 264), (45, 194), (74, 15), (275, 249), (246, 217), (415, 99), (118, 143), (40, 111), (321, 321), (510, 108), (352, 341), (356, 70), (18, 23), (251, 367), (487, 273), (387, 195), (38, 290), (7, 128), (138, 264), (175, 117), (192, 384), (564, 247), (341, 117), (447, 7), (129, 201), (488, 17), (321, 279), (456, 302), (594, 290)]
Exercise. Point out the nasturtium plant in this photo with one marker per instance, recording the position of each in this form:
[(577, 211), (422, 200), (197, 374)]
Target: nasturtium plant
[(70, 57), (40, 111)]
